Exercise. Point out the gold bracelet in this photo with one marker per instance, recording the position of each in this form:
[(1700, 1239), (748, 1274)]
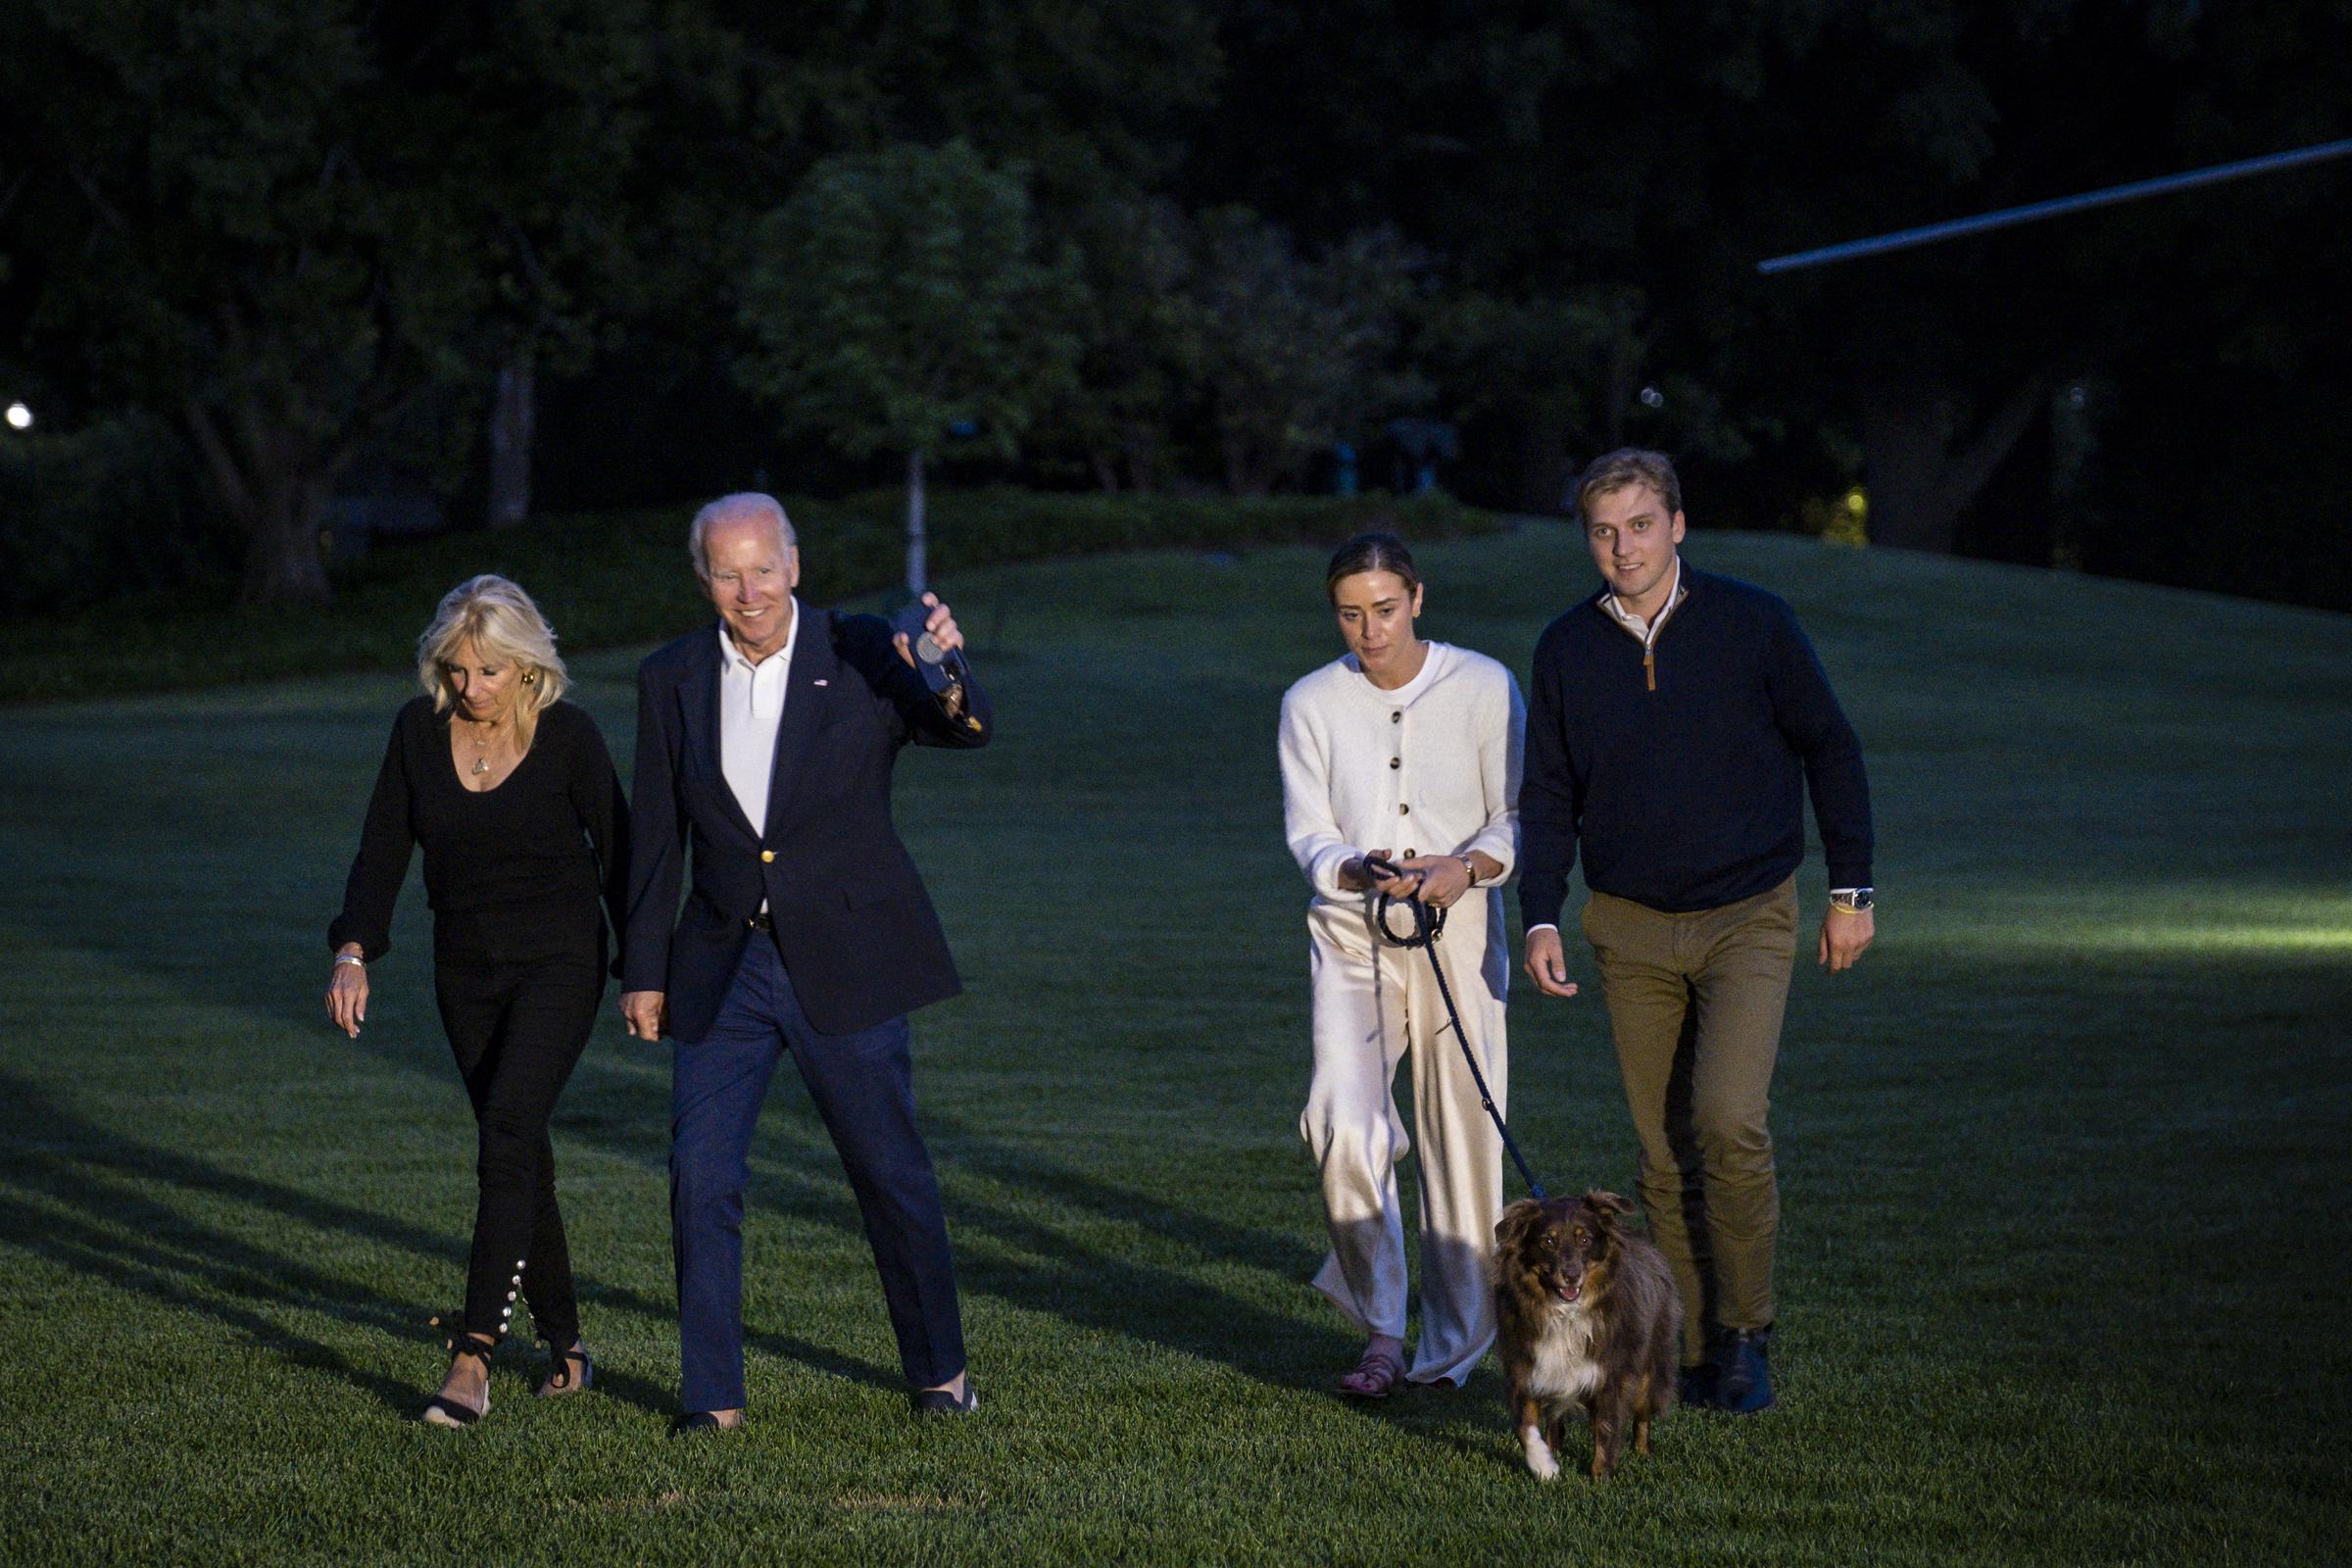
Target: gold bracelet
[(1847, 909)]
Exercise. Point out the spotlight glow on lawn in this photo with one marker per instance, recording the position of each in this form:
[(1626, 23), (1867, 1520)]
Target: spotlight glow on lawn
[(20, 417), (2215, 939), (2293, 925)]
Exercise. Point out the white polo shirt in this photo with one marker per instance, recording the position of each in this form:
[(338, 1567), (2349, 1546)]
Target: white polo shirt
[(751, 705)]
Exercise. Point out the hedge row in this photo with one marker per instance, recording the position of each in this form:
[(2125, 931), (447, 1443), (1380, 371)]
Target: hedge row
[(88, 515), (611, 579)]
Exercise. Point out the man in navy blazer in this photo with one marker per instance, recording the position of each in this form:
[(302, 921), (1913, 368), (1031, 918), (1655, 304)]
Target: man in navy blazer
[(764, 749)]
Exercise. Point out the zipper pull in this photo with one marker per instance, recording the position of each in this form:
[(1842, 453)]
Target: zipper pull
[(1649, 667)]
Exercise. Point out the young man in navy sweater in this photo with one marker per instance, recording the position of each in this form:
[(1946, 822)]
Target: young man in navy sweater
[(1675, 720)]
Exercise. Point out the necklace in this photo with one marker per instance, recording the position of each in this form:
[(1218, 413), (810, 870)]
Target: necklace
[(481, 747)]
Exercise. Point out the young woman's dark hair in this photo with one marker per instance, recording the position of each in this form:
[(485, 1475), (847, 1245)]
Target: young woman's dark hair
[(1370, 552)]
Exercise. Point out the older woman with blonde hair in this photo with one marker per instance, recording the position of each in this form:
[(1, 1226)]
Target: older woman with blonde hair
[(511, 794)]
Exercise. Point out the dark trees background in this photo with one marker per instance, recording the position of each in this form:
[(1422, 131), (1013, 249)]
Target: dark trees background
[(281, 227), (519, 252)]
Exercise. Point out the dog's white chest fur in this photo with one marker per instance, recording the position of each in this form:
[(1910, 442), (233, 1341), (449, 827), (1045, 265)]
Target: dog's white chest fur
[(1565, 1374), (1565, 1370)]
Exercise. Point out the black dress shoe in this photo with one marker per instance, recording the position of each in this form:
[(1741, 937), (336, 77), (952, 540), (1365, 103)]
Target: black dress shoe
[(939, 1402), (700, 1421)]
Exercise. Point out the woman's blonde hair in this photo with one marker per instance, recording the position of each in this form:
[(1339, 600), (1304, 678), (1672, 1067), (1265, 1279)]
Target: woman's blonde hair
[(503, 623)]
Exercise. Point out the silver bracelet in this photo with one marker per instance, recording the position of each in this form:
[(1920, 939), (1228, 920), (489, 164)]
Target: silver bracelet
[(342, 958)]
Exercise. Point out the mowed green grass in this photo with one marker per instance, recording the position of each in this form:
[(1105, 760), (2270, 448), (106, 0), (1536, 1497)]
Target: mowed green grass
[(2062, 1273)]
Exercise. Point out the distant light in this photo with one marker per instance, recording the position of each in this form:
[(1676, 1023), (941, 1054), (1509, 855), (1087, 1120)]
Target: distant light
[(1653, 398), (20, 417)]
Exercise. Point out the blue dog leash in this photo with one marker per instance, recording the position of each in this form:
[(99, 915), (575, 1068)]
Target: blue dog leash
[(1427, 923)]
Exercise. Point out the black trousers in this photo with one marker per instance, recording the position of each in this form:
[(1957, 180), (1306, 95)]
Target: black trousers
[(518, 1030)]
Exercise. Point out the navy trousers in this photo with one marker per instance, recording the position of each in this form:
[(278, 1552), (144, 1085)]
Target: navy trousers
[(863, 1086)]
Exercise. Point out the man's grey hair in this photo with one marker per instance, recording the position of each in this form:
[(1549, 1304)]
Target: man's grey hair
[(731, 508)]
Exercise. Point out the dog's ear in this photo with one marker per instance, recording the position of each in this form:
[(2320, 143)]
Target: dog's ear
[(1516, 1218), (1607, 1205)]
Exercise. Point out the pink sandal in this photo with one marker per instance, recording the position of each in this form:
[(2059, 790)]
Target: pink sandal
[(1373, 1376)]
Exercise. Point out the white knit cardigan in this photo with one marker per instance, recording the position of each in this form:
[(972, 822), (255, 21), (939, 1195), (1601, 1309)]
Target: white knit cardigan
[(1433, 768)]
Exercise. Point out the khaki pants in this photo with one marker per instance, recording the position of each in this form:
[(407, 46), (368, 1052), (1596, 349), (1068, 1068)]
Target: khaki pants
[(1695, 1003)]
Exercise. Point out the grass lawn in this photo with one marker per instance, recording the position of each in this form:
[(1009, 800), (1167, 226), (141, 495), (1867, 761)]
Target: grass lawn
[(2063, 1163)]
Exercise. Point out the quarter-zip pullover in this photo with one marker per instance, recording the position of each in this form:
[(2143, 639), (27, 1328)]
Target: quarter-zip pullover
[(1646, 630), (1679, 763)]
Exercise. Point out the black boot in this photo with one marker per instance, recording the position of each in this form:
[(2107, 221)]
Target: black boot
[(1743, 1371)]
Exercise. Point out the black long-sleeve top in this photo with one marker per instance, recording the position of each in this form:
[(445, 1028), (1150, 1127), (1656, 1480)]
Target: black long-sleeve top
[(1689, 795), (514, 873)]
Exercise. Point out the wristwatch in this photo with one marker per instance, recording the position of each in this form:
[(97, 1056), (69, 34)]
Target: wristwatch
[(1853, 901)]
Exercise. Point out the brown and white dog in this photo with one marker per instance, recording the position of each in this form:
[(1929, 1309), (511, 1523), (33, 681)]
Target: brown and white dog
[(1589, 1320)]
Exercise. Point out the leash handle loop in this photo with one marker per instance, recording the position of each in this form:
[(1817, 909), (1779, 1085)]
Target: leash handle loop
[(1428, 920)]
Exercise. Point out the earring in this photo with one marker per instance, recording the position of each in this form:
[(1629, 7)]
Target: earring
[(531, 678)]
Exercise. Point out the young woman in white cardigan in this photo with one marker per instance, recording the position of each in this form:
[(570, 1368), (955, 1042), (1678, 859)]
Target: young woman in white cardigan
[(1409, 751)]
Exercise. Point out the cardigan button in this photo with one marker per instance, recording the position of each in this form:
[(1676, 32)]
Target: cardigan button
[(1396, 717), (1396, 762), (1405, 810), (768, 856)]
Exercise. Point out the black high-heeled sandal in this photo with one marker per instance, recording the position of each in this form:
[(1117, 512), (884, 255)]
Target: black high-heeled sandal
[(441, 1411), (559, 1379)]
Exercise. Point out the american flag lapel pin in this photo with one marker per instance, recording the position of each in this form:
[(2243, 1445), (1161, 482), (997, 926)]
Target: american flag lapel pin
[(817, 683)]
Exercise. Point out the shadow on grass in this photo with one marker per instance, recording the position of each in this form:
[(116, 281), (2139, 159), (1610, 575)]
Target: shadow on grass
[(1080, 1282), (87, 1201), (795, 1174), (1062, 1267)]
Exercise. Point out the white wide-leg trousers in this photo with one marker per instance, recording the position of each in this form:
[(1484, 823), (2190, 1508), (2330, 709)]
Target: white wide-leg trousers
[(1374, 1007)]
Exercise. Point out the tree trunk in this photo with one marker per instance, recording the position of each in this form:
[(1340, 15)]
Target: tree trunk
[(1918, 485), (1624, 365), (514, 415), (1143, 458), (1248, 471), (1902, 461), (274, 502), (284, 560), (918, 576), (1544, 469)]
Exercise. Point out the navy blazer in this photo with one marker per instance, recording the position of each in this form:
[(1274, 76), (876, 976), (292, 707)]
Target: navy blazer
[(852, 923)]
